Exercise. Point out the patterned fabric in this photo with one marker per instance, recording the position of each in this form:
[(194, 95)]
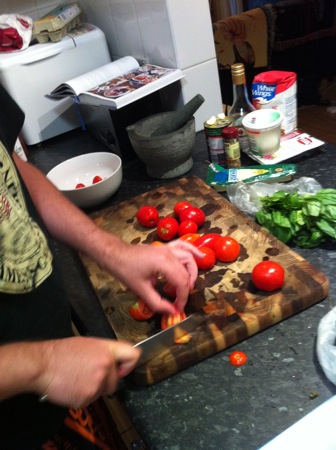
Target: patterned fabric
[(86, 429)]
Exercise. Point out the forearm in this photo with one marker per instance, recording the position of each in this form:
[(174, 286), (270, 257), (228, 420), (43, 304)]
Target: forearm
[(20, 366)]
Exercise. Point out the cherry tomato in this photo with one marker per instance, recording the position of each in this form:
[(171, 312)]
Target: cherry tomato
[(268, 276), (193, 213), (207, 240), (80, 185), (148, 216), (172, 319), (139, 311), (179, 206), (187, 226), (190, 237), (226, 248), (237, 358), (157, 243), (208, 260), (96, 179), (167, 228)]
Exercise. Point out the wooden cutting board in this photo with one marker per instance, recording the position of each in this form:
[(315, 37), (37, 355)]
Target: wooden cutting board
[(239, 310)]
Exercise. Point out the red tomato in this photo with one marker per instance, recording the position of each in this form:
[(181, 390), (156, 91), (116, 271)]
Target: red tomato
[(207, 240), (157, 243), (80, 185), (190, 237), (148, 216), (167, 228), (179, 206), (268, 276), (172, 319), (195, 214), (226, 248), (238, 358), (96, 179), (207, 261), (186, 227), (139, 311)]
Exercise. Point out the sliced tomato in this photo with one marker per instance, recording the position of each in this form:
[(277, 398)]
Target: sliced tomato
[(140, 311), (207, 240), (96, 179), (208, 260), (237, 358), (172, 319), (80, 185)]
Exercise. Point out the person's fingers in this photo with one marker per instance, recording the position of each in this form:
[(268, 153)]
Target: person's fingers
[(126, 356)]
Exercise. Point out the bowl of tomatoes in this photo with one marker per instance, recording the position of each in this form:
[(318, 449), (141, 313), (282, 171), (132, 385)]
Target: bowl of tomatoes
[(88, 180)]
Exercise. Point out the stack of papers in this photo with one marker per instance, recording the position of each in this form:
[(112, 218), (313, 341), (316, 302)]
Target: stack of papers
[(291, 145)]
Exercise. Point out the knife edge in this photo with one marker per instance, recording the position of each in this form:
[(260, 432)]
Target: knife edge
[(164, 340)]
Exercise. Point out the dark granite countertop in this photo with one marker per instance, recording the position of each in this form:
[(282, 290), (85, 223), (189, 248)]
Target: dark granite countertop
[(212, 405)]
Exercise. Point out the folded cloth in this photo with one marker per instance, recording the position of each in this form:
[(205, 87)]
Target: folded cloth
[(15, 32), (245, 38)]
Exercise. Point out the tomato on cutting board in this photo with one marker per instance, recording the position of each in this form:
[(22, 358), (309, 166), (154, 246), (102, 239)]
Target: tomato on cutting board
[(268, 276), (190, 237), (140, 311), (207, 240), (208, 260), (167, 228), (187, 226), (194, 213), (226, 248), (180, 206), (148, 216)]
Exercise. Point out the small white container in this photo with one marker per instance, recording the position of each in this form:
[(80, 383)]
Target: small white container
[(263, 128)]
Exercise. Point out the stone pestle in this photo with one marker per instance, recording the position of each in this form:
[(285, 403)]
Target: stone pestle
[(180, 117)]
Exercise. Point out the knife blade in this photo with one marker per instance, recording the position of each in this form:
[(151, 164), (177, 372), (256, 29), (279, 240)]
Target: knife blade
[(165, 339)]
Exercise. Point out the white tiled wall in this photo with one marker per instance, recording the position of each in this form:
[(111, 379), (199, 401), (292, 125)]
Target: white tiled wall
[(172, 33)]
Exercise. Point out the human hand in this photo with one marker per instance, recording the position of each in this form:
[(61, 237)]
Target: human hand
[(78, 370), (140, 266)]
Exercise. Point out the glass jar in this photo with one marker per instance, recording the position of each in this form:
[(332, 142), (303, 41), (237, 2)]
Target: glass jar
[(231, 147)]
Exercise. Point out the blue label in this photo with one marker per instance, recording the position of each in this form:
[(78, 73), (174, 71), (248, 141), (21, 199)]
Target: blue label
[(263, 91)]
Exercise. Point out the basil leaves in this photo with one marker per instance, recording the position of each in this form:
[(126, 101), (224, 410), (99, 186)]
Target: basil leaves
[(307, 220)]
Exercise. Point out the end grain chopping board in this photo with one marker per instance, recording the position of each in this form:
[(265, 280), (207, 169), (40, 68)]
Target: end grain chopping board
[(238, 309)]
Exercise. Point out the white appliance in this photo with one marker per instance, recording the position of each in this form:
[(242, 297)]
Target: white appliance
[(30, 74), (169, 33)]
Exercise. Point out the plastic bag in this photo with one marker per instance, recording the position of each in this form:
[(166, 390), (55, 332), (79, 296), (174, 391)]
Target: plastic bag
[(15, 32), (326, 345), (246, 196)]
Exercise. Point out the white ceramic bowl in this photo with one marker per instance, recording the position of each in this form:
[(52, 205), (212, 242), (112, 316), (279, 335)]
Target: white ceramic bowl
[(82, 169)]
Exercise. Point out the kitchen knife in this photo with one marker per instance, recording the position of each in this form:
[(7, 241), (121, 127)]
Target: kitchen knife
[(165, 339)]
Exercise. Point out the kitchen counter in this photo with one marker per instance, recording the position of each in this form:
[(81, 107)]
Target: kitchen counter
[(212, 405)]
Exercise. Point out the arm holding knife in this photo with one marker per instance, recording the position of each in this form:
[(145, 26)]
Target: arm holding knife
[(39, 356)]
